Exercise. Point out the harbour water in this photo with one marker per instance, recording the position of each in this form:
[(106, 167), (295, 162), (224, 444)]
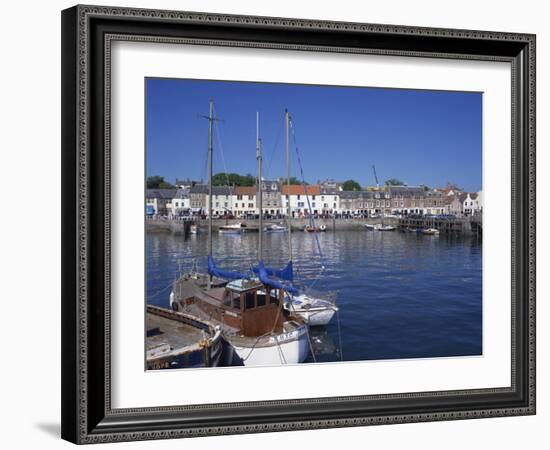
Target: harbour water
[(401, 295)]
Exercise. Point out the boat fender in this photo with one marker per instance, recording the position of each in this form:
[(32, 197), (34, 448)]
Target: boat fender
[(172, 300)]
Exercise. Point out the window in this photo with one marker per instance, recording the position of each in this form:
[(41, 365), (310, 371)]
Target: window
[(298, 196), (239, 197)]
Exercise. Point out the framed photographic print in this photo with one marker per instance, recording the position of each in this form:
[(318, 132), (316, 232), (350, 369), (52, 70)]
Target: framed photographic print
[(280, 224)]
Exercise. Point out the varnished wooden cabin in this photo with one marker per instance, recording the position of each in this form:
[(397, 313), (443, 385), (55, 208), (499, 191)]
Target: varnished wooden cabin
[(244, 307)]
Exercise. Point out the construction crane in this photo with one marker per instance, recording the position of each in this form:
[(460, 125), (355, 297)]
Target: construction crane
[(375, 177)]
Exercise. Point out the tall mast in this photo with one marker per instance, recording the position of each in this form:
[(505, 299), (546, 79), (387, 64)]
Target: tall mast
[(210, 154), (260, 203), (288, 213)]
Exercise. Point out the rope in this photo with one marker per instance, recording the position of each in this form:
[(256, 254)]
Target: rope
[(339, 335), (218, 139), (310, 343), (311, 219)]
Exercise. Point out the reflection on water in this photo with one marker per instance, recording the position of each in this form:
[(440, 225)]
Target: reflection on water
[(401, 295)]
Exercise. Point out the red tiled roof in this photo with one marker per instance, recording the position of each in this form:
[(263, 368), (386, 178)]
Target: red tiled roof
[(244, 190), (299, 189)]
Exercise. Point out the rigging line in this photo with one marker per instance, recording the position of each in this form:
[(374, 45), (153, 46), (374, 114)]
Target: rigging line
[(218, 139), (312, 220), (273, 153), (339, 335)]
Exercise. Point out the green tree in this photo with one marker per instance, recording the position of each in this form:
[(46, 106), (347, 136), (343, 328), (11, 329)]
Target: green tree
[(394, 182), (232, 179), (158, 182), (294, 180), (351, 185)]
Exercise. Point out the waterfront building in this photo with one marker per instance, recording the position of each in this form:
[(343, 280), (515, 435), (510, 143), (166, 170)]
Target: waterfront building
[(434, 202), (472, 204), (181, 203), (348, 202), (187, 183), (221, 199), (301, 198), (244, 201), (197, 198), (271, 197), (160, 200), (329, 201), (381, 201)]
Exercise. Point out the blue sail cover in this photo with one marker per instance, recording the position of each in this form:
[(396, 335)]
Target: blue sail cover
[(273, 283), (215, 272), (287, 273)]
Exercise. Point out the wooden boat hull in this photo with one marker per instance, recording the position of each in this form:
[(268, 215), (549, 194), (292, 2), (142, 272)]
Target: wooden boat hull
[(176, 340)]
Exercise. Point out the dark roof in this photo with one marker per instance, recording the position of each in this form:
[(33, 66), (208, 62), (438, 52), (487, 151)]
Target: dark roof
[(222, 190), (406, 191), (270, 186), (216, 190), (161, 193), (181, 193), (350, 194), (328, 190)]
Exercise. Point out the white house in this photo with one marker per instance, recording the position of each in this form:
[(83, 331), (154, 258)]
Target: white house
[(329, 200), (244, 201), (181, 203), (222, 202), (160, 200), (473, 203), (302, 198)]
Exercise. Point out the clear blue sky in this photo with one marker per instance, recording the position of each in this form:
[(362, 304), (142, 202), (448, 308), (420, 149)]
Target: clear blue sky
[(419, 137)]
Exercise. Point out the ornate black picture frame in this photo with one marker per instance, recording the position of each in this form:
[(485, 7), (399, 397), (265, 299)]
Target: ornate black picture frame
[(87, 33)]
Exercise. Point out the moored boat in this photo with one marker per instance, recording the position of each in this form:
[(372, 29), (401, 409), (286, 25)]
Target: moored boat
[(315, 229), (313, 310), (235, 228), (256, 326), (249, 309), (430, 231), (275, 228), (177, 340)]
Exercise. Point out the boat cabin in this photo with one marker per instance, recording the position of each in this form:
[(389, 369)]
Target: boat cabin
[(246, 306)]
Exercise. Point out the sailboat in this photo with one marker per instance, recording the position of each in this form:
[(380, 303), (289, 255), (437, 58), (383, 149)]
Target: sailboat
[(315, 310), (249, 309)]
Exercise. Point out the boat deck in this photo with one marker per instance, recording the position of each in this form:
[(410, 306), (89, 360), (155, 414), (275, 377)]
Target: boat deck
[(161, 331)]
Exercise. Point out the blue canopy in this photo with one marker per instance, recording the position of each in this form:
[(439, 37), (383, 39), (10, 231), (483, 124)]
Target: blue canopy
[(271, 282), (285, 273), (215, 272)]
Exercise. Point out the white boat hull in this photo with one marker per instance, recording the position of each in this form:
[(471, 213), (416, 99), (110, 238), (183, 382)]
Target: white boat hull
[(281, 351), (314, 311), (316, 317)]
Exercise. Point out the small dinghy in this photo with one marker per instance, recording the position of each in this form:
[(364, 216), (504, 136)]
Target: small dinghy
[(176, 340)]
